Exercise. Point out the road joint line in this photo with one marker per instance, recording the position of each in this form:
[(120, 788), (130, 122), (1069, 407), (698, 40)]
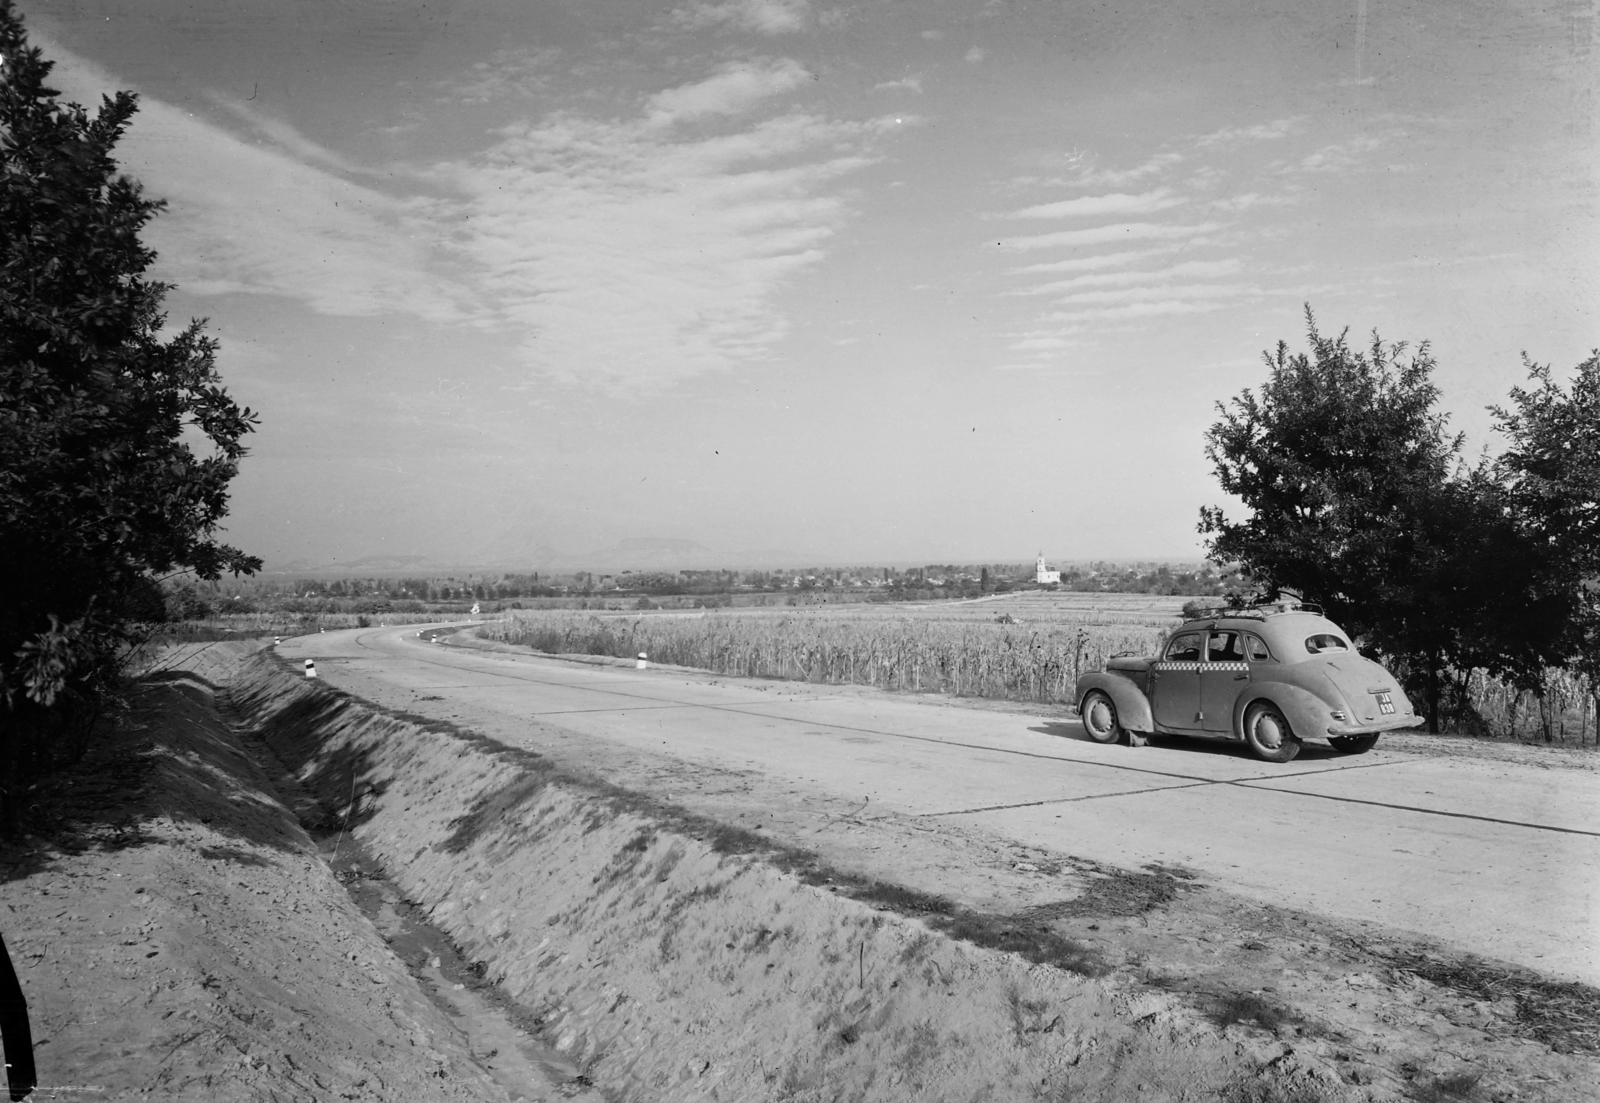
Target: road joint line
[(1415, 808), (1063, 800)]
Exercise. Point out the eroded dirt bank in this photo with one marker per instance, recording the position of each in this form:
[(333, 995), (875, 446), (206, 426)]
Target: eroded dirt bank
[(179, 937), (670, 957)]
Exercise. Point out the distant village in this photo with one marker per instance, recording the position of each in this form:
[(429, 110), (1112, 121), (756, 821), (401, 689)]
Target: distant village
[(687, 588)]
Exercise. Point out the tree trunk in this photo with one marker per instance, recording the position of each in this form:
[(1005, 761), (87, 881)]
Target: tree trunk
[(10, 787), (1433, 695)]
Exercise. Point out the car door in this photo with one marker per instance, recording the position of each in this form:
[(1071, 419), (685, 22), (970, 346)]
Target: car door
[(1223, 675), (1175, 682)]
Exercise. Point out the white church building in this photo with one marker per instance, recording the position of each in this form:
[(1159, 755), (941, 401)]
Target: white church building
[(1043, 574)]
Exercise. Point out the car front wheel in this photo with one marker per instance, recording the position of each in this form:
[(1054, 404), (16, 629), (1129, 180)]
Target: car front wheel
[(1268, 733), (1353, 744), (1100, 717)]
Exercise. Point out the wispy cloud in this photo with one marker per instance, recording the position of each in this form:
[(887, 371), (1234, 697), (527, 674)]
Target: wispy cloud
[(1153, 309), (1260, 132), (1048, 341), (1100, 235), (1091, 177), (762, 16), (905, 84), (1090, 263), (1177, 214), (1092, 206), (509, 71), (630, 251), (1335, 156), (256, 217), (1188, 270), (735, 89), (629, 254), (1192, 292), (288, 139)]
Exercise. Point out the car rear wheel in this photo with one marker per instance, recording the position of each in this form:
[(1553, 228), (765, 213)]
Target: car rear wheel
[(1268, 733), (1100, 717), (1353, 744)]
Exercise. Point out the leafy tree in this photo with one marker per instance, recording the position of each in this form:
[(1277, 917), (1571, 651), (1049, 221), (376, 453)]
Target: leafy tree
[(1551, 474), (100, 487), (1347, 470)]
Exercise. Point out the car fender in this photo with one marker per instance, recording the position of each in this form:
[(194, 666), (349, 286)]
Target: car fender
[(1306, 712), (1133, 708)]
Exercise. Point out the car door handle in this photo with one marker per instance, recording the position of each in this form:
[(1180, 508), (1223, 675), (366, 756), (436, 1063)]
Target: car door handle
[(1240, 677)]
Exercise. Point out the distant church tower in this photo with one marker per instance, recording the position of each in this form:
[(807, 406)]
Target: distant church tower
[(1043, 574)]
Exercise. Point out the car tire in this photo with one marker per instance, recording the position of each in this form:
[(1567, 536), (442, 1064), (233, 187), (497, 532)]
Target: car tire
[(1268, 733), (1100, 719), (1353, 744)]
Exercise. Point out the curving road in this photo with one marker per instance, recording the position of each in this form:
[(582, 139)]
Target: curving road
[(1500, 859)]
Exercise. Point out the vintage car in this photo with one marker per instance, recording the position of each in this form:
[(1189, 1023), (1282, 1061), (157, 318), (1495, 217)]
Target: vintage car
[(1270, 675)]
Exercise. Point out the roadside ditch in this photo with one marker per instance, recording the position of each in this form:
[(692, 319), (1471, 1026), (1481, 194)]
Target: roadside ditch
[(661, 955)]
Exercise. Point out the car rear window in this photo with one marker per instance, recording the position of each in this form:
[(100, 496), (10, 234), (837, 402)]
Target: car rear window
[(1256, 648), (1325, 641), (1224, 648)]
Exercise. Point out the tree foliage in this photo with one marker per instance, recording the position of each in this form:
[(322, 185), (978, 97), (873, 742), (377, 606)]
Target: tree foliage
[(117, 440), (1550, 472), (1359, 500)]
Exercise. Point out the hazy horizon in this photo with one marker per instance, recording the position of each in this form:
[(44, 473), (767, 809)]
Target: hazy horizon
[(875, 283)]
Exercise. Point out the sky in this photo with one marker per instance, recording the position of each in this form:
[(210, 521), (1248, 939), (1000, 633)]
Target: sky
[(509, 281)]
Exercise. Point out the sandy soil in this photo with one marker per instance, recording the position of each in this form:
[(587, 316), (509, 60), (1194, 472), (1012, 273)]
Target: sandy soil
[(178, 935)]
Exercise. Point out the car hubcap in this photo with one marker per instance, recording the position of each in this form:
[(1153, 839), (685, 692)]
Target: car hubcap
[(1099, 718), (1268, 733)]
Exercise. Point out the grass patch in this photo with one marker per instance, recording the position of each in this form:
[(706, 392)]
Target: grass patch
[(1268, 1089), (1564, 1015), (1033, 942), (1251, 1009), (1460, 1087), (491, 811)]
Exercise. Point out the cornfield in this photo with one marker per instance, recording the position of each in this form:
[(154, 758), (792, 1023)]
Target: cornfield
[(963, 657), (1565, 708)]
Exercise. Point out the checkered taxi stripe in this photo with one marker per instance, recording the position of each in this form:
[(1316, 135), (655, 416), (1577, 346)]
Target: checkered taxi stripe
[(1217, 667)]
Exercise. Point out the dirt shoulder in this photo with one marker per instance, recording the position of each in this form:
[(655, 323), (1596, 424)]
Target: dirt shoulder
[(177, 935)]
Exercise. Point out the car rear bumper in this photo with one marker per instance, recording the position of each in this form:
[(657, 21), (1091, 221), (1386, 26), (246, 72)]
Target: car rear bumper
[(1389, 724)]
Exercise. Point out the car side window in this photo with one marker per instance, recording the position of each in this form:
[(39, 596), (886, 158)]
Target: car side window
[(1223, 647), (1256, 648), (1185, 648), (1325, 641)]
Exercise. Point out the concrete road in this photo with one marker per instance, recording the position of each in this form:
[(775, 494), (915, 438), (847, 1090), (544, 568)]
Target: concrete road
[(1500, 859)]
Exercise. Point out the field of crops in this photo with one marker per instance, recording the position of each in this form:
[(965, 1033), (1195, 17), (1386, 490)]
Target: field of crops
[(1022, 647), (1028, 647)]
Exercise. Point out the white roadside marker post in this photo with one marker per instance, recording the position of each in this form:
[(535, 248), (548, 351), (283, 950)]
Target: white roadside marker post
[(311, 668), (642, 662)]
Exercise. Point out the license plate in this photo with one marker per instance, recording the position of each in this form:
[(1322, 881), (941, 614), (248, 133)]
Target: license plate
[(1385, 703)]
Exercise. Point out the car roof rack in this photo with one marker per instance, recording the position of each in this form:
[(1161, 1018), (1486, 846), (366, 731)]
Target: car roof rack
[(1258, 611)]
